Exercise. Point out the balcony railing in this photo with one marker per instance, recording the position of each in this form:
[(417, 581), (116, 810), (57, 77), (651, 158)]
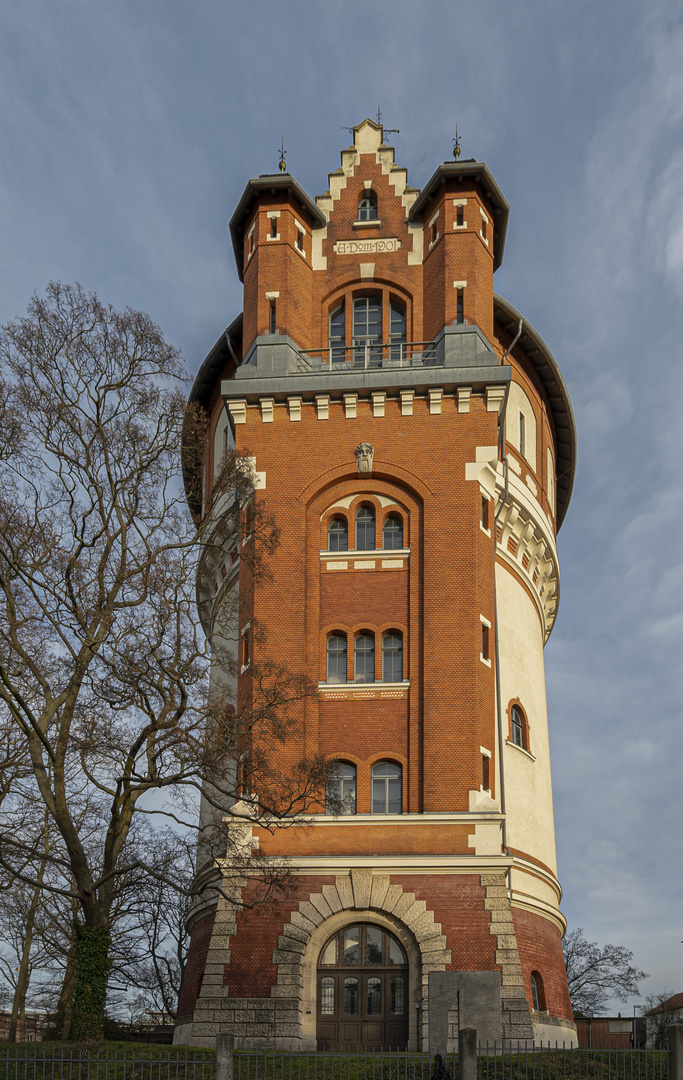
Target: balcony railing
[(369, 354)]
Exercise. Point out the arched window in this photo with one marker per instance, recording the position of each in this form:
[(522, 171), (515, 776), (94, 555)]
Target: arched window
[(338, 534), (362, 989), (392, 657), (537, 992), (367, 331), (392, 532), (365, 658), (518, 728), (336, 658), (365, 529), (367, 206), (337, 333), (387, 785), (397, 330), (341, 789)]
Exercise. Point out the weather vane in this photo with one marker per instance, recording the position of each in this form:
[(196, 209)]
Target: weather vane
[(283, 154), (456, 144), (386, 131)]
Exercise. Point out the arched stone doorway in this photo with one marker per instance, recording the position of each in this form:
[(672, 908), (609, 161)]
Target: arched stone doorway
[(362, 990)]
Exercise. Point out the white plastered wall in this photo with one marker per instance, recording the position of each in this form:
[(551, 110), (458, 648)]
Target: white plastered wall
[(518, 402), (528, 789), (219, 444)]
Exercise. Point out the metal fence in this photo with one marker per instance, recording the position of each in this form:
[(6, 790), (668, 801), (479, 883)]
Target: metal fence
[(554, 1062), (494, 1062), (45, 1062)]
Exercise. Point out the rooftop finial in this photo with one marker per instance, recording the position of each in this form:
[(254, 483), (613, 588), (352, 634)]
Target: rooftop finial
[(456, 144), (385, 131), (283, 154)]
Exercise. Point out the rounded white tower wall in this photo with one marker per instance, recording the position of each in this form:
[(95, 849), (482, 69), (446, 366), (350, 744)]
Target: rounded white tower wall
[(528, 788)]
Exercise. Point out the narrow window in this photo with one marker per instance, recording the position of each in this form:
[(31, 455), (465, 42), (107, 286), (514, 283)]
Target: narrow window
[(273, 228), (517, 726), (341, 789), (397, 330), (272, 322), (367, 331), (392, 657), (433, 234), (486, 772), (460, 306), (337, 334), (522, 435), (484, 513), (338, 535), (392, 532), (327, 996), (299, 239), (365, 529), (538, 992), (387, 788), (459, 216), (367, 207), (336, 658), (483, 228), (365, 658), (246, 649), (484, 641)]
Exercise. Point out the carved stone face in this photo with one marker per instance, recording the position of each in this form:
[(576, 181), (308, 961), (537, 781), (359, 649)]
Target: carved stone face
[(364, 455)]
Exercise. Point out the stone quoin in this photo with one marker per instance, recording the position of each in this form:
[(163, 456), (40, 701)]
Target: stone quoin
[(414, 440)]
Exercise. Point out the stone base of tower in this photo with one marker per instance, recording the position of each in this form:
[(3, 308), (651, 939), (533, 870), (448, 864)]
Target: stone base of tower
[(256, 972)]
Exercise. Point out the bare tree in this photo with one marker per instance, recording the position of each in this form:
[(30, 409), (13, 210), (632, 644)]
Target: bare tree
[(595, 974), (103, 663), (660, 1012)]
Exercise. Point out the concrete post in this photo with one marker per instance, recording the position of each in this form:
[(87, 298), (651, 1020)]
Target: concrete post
[(674, 1038), (225, 1046), (467, 1053)]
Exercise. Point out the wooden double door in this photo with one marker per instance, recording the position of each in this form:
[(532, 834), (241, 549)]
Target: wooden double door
[(362, 992)]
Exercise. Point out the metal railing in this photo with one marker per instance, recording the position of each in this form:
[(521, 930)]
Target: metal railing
[(371, 354), (49, 1062), (494, 1062), (559, 1062)]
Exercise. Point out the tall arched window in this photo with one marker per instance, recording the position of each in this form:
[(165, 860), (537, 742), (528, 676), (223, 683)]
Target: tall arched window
[(365, 529), (365, 658), (387, 785), (392, 657), (367, 206), (392, 532), (519, 733), (537, 992), (338, 534), (336, 658), (367, 331), (397, 330), (341, 789), (337, 333)]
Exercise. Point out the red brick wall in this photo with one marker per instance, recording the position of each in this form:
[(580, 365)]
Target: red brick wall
[(251, 971), (200, 939), (540, 949)]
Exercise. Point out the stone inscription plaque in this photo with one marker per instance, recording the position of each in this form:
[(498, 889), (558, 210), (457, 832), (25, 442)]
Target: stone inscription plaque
[(367, 247)]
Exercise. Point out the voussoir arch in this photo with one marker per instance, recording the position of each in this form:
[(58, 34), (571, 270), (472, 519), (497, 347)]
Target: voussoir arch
[(359, 896)]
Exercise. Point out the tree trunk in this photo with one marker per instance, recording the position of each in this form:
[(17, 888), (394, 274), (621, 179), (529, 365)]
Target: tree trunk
[(92, 944), (19, 1002), (65, 1003)]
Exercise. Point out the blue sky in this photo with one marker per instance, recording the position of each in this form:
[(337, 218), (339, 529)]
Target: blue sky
[(128, 131)]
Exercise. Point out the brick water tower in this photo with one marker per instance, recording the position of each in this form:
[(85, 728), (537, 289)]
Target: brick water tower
[(414, 440)]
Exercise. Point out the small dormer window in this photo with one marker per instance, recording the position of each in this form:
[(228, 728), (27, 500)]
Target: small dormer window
[(367, 207)]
